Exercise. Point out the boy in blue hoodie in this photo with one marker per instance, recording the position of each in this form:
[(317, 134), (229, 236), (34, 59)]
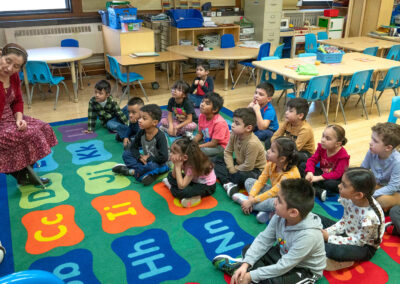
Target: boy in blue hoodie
[(299, 253)]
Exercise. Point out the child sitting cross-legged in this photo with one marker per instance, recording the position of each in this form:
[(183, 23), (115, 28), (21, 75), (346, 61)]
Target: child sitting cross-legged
[(213, 133), (249, 153), (154, 146), (333, 161), (289, 250), (181, 115), (281, 165), (193, 175), (356, 236)]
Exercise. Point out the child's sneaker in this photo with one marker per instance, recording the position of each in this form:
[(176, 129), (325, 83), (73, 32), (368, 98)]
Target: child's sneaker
[(389, 228), (320, 193), (239, 198), (148, 179), (231, 188), (2, 253), (264, 217), (226, 263), (191, 201), (166, 182), (121, 169)]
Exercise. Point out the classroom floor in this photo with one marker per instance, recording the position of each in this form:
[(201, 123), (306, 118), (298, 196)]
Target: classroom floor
[(358, 129)]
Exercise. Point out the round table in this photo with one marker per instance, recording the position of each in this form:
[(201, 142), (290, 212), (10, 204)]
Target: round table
[(226, 54), (59, 55)]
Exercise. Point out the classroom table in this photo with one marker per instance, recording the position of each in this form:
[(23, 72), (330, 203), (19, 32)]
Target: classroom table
[(226, 54), (163, 57), (59, 55), (359, 44)]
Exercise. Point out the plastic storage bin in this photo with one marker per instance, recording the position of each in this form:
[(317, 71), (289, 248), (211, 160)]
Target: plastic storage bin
[(330, 57), (115, 13), (104, 17), (331, 13), (186, 18), (129, 24)]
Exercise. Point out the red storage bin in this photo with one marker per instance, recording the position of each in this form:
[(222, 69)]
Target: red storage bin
[(331, 13)]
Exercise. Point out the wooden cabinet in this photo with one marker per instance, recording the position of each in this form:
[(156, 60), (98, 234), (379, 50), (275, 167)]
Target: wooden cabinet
[(118, 43), (192, 33), (364, 16)]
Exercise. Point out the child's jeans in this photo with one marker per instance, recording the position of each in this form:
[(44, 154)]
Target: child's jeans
[(346, 252), (193, 189), (238, 178), (295, 275), (264, 136), (331, 185), (140, 169), (115, 125), (188, 127), (266, 205), (196, 99), (212, 152)]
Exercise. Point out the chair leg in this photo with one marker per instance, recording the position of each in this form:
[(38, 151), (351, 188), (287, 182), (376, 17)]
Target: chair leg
[(31, 94), (248, 79), (66, 90), (35, 176), (364, 108), (232, 80), (380, 95), (144, 92), (123, 95), (324, 110), (342, 108), (359, 99), (284, 92), (57, 93), (377, 105), (237, 79)]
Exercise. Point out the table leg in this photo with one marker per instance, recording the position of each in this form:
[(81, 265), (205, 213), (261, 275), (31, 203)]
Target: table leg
[(27, 86), (80, 74), (173, 70), (339, 96), (258, 76), (226, 74), (128, 85), (167, 75), (297, 84), (74, 81)]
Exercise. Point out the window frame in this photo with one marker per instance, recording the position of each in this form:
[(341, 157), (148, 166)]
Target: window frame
[(68, 9), (326, 3)]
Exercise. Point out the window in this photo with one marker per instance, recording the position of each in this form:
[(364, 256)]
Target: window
[(326, 3), (24, 7)]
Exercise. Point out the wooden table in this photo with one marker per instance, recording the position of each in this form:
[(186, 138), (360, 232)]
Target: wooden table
[(359, 44), (163, 57), (226, 54), (395, 39), (59, 55)]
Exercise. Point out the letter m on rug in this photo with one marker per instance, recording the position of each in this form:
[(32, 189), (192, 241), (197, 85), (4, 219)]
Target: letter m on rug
[(218, 233)]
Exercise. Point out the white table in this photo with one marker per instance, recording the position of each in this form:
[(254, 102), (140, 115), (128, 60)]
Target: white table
[(59, 55)]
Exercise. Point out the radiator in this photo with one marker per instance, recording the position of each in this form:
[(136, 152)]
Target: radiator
[(88, 35)]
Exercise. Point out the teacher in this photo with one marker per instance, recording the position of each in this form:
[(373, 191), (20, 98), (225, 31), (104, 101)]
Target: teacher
[(23, 140)]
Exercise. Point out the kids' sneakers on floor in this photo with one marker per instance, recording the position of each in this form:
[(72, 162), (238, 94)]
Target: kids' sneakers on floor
[(148, 179), (231, 188), (121, 169), (2, 253), (166, 182), (191, 201), (239, 198), (226, 263), (264, 217)]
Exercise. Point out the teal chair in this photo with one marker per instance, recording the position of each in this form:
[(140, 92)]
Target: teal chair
[(279, 50), (307, 54), (311, 43), (394, 53), (322, 36), (358, 84), (40, 74), (123, 78), (371, 51), (318, 90), (394, 107)]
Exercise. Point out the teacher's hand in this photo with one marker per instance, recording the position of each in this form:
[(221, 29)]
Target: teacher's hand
[(21, 125)]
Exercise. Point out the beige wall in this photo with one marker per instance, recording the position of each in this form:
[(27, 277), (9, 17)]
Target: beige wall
[(95, 5)]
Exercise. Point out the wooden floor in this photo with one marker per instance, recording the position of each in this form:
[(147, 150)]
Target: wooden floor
[(358, 129)]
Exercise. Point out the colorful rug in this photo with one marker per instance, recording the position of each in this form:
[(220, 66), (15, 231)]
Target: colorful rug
[(91, 226)]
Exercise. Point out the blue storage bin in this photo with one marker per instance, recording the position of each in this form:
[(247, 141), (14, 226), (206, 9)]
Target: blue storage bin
[(186, 18), (104, 17), (330, 57), (114, 13)]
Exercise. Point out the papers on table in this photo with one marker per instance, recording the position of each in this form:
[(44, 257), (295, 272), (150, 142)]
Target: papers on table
[(250, 44), (140, 54)]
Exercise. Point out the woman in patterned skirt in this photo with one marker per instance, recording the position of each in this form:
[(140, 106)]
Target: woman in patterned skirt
[(23, 139)]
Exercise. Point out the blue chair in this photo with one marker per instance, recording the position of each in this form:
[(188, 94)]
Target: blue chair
[(391, 81), (371, 51), (279, 83), (394, 53), (40, 72), (358, 85), (322, 36), (394, 107), (306, 54), (123, 78), (318, 90), (227, 41), (279, 50), (311, 43), (263, 52)]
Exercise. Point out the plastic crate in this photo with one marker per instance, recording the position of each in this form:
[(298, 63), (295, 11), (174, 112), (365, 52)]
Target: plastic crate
[(330, 57), (186, 18), (104, 17), (128, 25), (114, 13), (331, 13)]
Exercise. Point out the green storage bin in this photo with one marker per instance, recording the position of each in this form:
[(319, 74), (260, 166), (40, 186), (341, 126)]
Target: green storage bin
[(323, 22), (109, 3)]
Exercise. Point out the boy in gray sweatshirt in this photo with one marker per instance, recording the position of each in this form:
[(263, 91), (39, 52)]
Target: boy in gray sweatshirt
[(291, 249)]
